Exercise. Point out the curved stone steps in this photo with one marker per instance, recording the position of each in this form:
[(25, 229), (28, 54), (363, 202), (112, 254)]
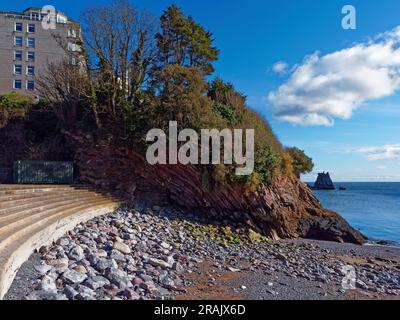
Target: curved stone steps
[(18, 228), (17, 199), (7, 190), (14, 220), (39, 202), (33, 216)]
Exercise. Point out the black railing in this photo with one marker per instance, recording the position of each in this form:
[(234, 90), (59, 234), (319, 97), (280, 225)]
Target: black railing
[(43, 172)]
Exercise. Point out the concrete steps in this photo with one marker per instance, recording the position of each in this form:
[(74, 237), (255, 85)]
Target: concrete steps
[(33, 216)]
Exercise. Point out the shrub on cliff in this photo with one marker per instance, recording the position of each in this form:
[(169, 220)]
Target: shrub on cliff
[(13, 106), (300, 161)]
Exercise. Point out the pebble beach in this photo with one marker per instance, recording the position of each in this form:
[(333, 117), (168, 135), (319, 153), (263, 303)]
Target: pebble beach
[(139, 253)]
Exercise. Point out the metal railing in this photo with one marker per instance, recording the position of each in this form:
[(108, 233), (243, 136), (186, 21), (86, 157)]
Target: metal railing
[(43, 172)]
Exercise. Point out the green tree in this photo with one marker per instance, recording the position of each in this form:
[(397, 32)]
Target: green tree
[(228, 103), (301, 162), (184, 42), (182, 98)]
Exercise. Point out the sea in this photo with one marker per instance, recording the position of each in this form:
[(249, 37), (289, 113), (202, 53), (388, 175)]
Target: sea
[(373, 208)]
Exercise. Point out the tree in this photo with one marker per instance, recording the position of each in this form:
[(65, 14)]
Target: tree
[(228, 103), (184, 42), (301, 162), (122, 46), (182, 98), (69, 90)]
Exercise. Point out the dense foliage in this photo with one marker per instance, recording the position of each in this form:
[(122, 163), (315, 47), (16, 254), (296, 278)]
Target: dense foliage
[(300, 161), (13, 106)]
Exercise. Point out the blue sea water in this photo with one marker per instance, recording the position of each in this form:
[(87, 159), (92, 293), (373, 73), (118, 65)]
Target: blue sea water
[(372, 208)]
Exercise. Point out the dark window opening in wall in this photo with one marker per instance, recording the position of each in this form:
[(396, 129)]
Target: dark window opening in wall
[(18, 84), (35, 16), (31, 28), (18, 27), (30, 85), (18, 55), (30, 70), (18, 41), (31, 43), (18, 69), (31, 56)]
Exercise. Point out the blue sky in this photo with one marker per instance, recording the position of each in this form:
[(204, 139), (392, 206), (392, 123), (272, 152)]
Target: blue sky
[(360, 138)]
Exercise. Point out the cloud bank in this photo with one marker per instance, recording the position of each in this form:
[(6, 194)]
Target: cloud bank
[(331, 86), (387, 152)]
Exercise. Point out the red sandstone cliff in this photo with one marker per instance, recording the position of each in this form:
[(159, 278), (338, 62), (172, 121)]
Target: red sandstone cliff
[(285, 209)]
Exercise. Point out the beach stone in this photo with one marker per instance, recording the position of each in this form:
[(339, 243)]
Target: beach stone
[(63, 242), (131, 294), (122, 247), (85, 293), (70, 292), (80, 269), (118, 277), (102, 253), (48, 284), (96, 282), (76, 253), (73, 277), (159, 263), (117, 256), (58, 262), (150, 287), (43, 268), (137, 281), (103, 264)]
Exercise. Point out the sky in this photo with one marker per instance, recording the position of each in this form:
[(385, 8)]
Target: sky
[(332, 92)]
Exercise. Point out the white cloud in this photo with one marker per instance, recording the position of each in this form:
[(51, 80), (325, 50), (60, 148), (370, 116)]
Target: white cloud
[(387, 152), (280, 67), (331, 86)]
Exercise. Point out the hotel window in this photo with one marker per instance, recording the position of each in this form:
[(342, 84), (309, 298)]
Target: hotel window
[(30, 70), (30, 42), (18, 55), (30, 56), (18, 69), (30, 85), (18, 41), (18, 27), (18, 84), (31, 28), (35, 16)]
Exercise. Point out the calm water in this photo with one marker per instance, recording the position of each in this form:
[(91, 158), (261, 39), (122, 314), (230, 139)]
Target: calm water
[(373, 208)]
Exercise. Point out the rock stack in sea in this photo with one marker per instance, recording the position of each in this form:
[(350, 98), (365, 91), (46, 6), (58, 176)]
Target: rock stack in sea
[(324, 182)]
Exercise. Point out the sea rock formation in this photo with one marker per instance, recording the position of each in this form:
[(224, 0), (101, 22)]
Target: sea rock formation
[(286, 208), (324, 182)]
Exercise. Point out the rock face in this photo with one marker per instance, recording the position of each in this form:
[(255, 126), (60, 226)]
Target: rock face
[(324, 182), (286, 208)]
